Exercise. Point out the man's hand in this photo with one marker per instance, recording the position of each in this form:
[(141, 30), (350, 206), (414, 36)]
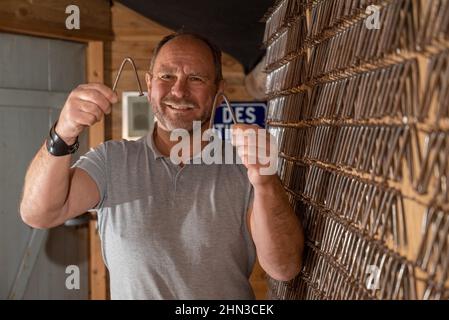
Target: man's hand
[(85, 106), (258, 150)]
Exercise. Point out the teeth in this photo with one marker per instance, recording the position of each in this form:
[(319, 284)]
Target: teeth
[(178, 107)]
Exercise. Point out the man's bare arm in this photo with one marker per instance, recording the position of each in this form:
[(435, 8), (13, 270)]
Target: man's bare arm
[(276, 231), (54, 193)]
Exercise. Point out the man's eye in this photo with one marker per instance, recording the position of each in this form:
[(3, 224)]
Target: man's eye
[(195, 78), (166, 77)]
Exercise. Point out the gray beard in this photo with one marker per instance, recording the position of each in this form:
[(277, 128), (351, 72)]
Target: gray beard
[(171, 125)]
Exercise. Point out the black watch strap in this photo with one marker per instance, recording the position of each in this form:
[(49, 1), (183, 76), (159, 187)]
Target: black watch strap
[(57, 147)]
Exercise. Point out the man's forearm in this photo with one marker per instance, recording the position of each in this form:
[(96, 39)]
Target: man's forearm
[(276, 231), (46, 188)]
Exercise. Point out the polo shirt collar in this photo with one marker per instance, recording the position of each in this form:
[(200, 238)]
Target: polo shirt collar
[(152, 145)]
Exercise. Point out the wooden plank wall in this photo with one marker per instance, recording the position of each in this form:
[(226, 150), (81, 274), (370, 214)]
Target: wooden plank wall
[(136, 36), (47, 18)]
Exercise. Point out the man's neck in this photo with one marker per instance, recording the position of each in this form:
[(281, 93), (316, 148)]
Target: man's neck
[(164, 144)]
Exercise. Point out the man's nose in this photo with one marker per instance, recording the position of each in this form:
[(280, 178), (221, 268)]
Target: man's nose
[(180, 88)]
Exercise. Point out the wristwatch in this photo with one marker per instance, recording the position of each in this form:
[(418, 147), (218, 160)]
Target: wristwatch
[(57, 147)]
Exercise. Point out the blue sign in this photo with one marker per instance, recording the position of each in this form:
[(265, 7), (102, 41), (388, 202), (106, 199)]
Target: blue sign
[(245, 112)]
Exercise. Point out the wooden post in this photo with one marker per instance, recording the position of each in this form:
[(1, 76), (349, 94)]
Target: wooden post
[(98, 288)]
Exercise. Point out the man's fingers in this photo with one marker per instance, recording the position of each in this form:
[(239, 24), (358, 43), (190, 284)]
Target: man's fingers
[(244, 126), (254, 150), (261, 154), (92, 108), (85, 106), (107, 92), (249, 137), (85, 119), (96, 97)]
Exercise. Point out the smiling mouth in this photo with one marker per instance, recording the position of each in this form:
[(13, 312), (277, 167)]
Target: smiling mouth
[(178, 108)]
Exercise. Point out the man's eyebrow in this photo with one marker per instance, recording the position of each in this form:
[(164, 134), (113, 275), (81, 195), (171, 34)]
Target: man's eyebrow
[(164, 67), (167, 68), (199, 74)]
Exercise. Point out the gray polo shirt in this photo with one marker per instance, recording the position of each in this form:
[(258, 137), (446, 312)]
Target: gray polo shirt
[(169, 232)]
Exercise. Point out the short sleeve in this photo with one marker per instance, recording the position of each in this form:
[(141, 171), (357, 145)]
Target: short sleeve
[(94, 163)]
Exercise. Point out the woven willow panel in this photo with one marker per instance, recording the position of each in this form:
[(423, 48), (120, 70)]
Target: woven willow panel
[(360, 112)]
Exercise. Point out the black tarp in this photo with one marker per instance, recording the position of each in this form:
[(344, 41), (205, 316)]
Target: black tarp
[(233, 25)]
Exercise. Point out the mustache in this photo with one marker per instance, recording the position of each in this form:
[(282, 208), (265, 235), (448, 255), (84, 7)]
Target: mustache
[(179, 102)]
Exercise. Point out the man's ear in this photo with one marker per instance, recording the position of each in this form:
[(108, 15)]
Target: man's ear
[(221, 88), (148, 77)]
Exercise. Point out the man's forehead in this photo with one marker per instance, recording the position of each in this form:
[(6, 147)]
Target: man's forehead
[(186, 48), (192, 64), (186, 41)]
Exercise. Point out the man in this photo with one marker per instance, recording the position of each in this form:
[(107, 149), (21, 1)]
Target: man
[(187, 231)]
